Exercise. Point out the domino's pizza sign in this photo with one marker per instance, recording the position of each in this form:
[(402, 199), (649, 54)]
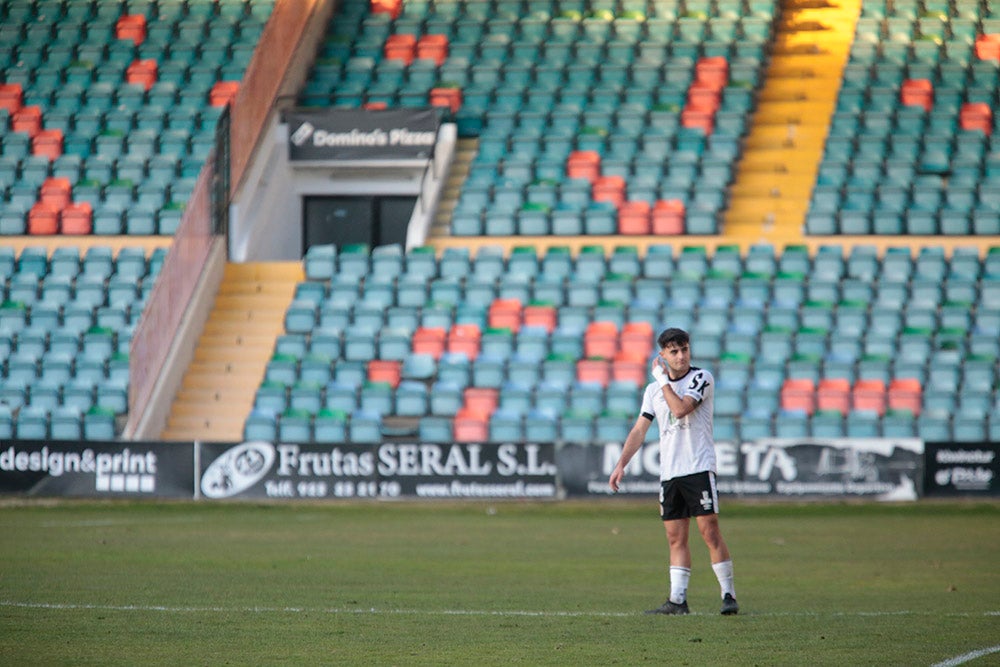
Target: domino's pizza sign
[(357, 134)]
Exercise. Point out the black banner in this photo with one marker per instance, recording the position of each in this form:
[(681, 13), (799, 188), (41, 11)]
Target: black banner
[(389, 470), (961, 469), (355, 134), (97, 469), (879, 468)]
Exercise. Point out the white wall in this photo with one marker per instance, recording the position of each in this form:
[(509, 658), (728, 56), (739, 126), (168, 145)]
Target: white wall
[(265, 221)]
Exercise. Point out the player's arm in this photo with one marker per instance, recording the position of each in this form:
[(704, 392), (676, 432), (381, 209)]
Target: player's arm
[(633, 442), (680, 406)]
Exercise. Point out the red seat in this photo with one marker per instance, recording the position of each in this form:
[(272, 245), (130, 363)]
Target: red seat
[(77, 219), (869, 394), (429, 340), (905, 394), (142, 73), (917, 92), (505, 314), (57, 191), (834, 394), (630, 366), (11, 96), (634, 218), (391, 7), (988, 47), (470, 426), (48, 143), (798, 394), (43, 219), (584, 164), (385, 370), (600, 339), (637, 337), (668, 217), (433, 47), (536, 315), (465, 339), (451, 98), (481, 400), (594, 371), (27, 120), (131, 26), (712, 71), (609, 188), (223, 92), (400, 47), (976, 116)]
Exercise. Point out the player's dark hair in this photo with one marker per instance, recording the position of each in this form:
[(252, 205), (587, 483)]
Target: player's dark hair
[(673, 336)]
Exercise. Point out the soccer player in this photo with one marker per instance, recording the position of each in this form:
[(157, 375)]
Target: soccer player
[(681, 401)]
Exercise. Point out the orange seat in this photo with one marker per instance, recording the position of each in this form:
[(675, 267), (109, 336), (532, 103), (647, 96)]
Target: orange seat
[(391, 7), (429, 340), (976, 116), (668, 217), (600, 339), (694, 118), (451, 98), (594, 371), (834, 394), (906, 394), (481, 400), (433, 47), (634, 218), (57, 191), (143, 73), (131, 26), (223, 92), (373, 106), (11, 96), (629, 366), (545, 316), (27, 120), (385, 370), (584, 164), (48, 143), (505, 314), (470, 426), (712, 71), (869, 394), (77, 219), (637, 337), (43, 219), (608, 188), (703, 97), (988, 47), (400, 47), (465, 339), (798, 394), (917, 92)]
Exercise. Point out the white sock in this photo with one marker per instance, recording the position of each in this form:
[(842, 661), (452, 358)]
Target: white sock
[(679, 577), (724, 573)]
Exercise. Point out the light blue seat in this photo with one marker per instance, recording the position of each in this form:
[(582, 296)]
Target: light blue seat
[(365, 427), (412, 399), (99, 424), (436, 429), (446, 398)]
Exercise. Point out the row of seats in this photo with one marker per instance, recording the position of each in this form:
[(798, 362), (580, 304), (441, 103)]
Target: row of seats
[(400, 334), (121, 100), (534, 87), (66, 323), (909, 146)]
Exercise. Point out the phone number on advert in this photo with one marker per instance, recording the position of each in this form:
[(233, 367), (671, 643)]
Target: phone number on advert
[(342, 489)]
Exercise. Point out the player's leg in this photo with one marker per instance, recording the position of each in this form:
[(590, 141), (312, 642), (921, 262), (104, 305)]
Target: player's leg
[(722, 564), (676, 522)]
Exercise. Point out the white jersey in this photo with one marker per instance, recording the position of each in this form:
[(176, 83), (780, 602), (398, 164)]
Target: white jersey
[(686, 444)]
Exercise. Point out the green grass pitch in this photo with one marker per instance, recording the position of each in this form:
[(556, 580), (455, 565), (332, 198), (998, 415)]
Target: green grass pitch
[(558, 583)]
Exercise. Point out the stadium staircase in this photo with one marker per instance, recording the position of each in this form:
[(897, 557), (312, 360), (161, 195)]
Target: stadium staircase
[(235, 345), (784, 147)]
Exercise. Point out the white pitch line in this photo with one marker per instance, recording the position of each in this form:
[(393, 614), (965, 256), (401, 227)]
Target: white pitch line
[(450, 612), (968, 657)]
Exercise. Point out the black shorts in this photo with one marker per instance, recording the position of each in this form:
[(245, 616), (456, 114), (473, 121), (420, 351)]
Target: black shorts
[(691, 495)]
